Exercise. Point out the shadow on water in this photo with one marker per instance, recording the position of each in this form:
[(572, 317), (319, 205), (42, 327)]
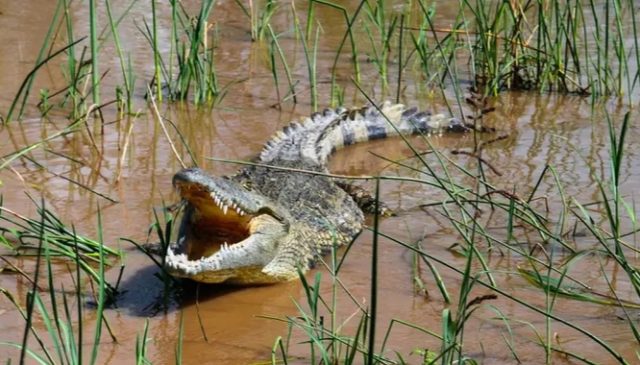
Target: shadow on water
[(146, 294), (221, 322)]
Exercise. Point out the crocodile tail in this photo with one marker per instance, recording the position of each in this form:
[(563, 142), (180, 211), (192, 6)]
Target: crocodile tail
[(315, 138)]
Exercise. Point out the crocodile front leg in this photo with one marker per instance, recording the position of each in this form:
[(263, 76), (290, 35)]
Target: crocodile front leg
[(365, 199)]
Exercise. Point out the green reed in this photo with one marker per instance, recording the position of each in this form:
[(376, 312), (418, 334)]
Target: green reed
[(327, 342), (194, 53), (264, 19), (574, 48), (74, 67), (463, 206), (163, 227), (373, 296), (64, 339), (23, 91), (126, 68), (400, 55), (41, 59), (579, 46), (380, 32), (63, 324), (156, 50), (93, 44), (349, 34), (61, 242), (159, 236), (259, 19), (141, 345), (274, 47), (553, 287), (328, 345), (311, 56), (81, 70), (612, 240), (507, 52)]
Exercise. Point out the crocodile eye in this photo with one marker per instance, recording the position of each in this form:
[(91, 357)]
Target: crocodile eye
[(247, 185)]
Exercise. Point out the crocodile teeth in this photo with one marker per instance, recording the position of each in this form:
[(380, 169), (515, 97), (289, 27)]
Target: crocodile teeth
[(215, 198), (224, 204)]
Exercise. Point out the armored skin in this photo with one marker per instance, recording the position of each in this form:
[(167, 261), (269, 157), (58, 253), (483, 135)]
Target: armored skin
[(264, 225)]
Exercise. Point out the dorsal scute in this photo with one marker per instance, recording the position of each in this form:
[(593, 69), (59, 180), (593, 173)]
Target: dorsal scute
[(289, 142), (313, 139)]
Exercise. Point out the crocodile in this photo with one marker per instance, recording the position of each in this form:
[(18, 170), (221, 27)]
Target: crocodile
[(273, 219)]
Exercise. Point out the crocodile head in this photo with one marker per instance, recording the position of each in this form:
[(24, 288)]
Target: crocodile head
[(228, 233)]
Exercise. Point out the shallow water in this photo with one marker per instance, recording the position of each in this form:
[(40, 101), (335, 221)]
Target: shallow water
[(132, 163)]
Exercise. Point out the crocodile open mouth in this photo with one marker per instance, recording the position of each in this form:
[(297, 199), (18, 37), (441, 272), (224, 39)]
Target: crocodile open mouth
[(216, 222), (228, 232)]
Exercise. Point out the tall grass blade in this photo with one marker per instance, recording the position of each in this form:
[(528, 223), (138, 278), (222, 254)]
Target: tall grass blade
[(26, 82), (373, 298), (102, 295), (93, 42), (31, 296), (156, 51)]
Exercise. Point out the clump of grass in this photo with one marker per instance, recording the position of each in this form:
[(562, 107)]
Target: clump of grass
[(192, 50), (500, 45), (25, 236), (380, 31), (463, 215), (259, 18), (545, 46), (59, 322), (566, 49), (24, 90), (64, 340), (81, 69)]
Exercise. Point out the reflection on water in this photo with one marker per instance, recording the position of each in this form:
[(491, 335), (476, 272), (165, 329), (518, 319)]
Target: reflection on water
[(130, 162)]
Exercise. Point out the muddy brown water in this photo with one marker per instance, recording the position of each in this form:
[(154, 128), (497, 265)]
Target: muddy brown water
[(133, 164)]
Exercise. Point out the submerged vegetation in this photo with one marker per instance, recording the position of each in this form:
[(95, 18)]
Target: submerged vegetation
[(585, 48)]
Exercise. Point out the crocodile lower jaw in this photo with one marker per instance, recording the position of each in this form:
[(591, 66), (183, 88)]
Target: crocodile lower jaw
[(242, 262)]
